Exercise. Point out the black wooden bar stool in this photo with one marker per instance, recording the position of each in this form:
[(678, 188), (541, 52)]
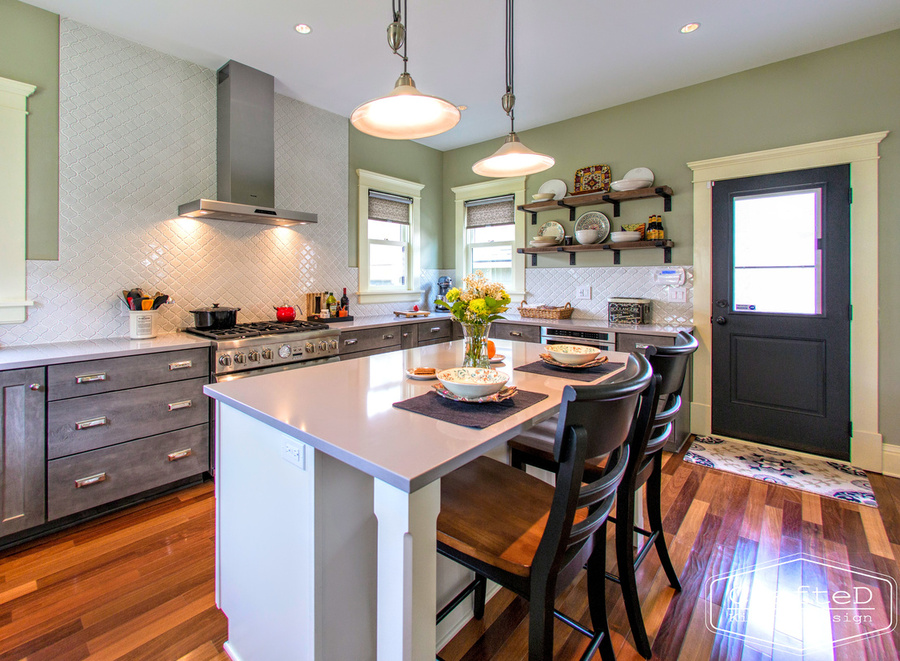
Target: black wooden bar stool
[(645, 467), (533, 538)]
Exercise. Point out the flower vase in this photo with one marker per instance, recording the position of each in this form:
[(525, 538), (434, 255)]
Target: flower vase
[(476, 353)]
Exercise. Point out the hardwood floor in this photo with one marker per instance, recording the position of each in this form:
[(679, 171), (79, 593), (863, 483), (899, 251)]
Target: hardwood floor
[(139, 584)]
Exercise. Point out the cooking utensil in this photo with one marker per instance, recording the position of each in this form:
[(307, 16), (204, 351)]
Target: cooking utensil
[(285, 313), (146, 303), (160, 299), (215, 317)]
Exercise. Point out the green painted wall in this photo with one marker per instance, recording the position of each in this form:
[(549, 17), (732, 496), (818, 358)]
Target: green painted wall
[(405, 160), (847, 90), (29, 52)]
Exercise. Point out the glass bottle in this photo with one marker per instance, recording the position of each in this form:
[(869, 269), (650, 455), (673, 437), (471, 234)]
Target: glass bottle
[(331, 303)]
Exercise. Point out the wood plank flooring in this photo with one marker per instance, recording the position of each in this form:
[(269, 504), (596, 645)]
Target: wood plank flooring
[(139, 584)]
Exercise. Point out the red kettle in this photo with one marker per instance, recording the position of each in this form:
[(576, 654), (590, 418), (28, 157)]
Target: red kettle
[(285, 313)]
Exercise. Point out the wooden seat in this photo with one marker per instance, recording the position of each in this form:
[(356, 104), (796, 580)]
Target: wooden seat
[(534, 539), (645, 467)]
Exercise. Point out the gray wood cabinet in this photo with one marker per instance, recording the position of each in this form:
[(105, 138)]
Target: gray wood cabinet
[(22, 459), (433, 332), (504, 330), (371, 340)]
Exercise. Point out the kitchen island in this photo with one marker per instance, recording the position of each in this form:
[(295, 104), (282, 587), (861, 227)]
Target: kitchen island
[(327, 498)]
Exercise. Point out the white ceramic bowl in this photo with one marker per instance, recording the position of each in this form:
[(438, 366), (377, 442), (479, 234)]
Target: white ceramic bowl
[(549, 240), (622, 237), (630, 184), (572, 354), (472, 382), (585, 237), (542, 197)]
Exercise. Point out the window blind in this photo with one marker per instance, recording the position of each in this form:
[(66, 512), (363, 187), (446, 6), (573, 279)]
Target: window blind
[(389, 208), (490, 211)]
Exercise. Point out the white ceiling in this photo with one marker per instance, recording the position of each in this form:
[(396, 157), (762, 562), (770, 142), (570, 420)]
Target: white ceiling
[(572, 56)]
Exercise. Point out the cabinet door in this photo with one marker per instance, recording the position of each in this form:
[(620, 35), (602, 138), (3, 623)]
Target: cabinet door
[(22, 445), (408, 336), (517, 332)]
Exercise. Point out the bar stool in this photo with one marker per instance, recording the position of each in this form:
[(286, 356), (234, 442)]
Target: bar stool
[(645, 467), (533, 538)]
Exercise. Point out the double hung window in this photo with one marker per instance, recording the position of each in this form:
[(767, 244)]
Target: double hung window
[(491, 237)]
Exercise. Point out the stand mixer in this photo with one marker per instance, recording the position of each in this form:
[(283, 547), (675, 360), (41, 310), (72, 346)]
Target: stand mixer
[(444, 283)]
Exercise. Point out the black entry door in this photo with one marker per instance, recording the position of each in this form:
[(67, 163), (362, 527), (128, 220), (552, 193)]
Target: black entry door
[(781, 310)]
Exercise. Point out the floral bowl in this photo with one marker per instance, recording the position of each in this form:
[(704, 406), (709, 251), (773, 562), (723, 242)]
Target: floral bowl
[(573, 354), (472, 382)]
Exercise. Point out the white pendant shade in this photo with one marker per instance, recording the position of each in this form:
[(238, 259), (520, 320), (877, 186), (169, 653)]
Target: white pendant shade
[(405, 114), (513, 159)]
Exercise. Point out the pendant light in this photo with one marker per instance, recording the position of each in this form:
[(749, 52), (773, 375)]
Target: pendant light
[(404, 113), (513, 159)]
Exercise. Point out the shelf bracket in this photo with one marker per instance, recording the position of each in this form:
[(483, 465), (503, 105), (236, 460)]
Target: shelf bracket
[(617, 257), (667, 255), (571, 210), (533, 215), (615, 203), (572, 258), (534, 259), (667, 206)]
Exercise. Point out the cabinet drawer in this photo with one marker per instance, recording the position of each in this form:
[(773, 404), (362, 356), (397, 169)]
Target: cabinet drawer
[(95, 421), (408, 338), (95, 376), (370, 338), (86, 480), (629, 342), (518, 332), (434, 330)]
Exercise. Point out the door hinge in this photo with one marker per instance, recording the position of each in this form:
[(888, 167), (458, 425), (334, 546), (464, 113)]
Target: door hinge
[(851, 312), (850, 195), (850, 428)]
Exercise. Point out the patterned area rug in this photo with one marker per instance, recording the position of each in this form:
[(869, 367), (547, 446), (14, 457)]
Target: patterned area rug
[(833, 479)]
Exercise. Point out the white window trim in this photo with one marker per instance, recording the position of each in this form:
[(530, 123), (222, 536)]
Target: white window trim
[(496, 187), (861, 152), (13, 111), (387, 184)]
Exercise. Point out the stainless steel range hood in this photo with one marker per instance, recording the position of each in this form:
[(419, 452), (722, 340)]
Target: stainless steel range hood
[(245, 153)]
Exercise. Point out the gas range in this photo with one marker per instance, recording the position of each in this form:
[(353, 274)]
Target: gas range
[(270, 346)]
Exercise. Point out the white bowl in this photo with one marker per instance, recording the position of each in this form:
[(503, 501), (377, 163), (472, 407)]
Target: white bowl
[(585, 237), (623, 237), (472, 382), (541, 197), (630, 184), (640, 173), (572, 354), (549, 240)]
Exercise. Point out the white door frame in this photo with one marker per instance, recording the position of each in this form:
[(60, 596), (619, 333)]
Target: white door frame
[(861, 152)]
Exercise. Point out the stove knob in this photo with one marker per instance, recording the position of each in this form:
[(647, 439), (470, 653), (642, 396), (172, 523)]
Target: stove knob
[(323, 346), (225, 360), (310, 348), (284, 351), (238, 358), (267, 354), (253, 356), (333, 345)]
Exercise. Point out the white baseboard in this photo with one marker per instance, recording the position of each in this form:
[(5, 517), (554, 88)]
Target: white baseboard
[(891, 460)]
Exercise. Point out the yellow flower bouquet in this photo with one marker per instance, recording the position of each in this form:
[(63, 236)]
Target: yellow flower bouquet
[(475, 307)]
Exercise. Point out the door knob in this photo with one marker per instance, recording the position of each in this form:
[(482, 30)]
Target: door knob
[(721, 321)]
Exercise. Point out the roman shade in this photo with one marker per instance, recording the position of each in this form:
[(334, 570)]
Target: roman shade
[(490, 211), (389, 208)]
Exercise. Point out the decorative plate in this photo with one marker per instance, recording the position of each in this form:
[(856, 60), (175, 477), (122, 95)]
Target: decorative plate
[(547, 358), (594, 220), (556, 186), (505, 393), (411, 373), (593, 179), (498, 358), (640, 173), (554, 229)]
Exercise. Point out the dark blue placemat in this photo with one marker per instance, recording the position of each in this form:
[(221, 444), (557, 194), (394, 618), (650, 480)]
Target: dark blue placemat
[(589, 374), (478, 416)]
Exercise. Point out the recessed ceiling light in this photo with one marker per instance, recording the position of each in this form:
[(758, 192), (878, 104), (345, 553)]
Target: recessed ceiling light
[(462, 107), (303, 28), (690, 27)]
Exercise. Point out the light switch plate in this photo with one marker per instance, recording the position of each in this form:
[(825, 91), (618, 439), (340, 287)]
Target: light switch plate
[(583, 293), (677, 294)]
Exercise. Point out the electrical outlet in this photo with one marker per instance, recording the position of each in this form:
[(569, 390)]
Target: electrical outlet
[(583, 293), (677, 295), (294, 453)]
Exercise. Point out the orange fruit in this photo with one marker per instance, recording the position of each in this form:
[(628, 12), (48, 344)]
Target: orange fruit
[(491, 348)]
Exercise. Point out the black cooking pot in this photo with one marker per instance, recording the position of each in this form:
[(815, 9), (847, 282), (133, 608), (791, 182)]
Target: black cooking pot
[(214, 317)]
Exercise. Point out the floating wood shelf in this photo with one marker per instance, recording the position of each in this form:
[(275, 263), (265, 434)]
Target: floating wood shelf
[(572, 202), (616, 248)]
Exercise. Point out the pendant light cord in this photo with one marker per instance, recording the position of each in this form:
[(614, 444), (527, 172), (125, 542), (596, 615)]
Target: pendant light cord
[(510, 64), (402, 19)]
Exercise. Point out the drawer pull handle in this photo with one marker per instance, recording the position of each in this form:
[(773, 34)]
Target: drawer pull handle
[(88, 481), (436, 329), (349, 342), (90, 378), (183, 365), (387, 337), (515, 334), (35, 387), (405, 334), (641, 346), (179, 454), (186, 404), (93, 422)]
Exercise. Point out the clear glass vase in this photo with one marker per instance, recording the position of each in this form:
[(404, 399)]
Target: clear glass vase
[(476, 353)]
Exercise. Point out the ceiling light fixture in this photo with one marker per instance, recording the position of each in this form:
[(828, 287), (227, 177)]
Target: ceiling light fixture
[(404, 113), (303, 28), (513, 159), (690, 27)]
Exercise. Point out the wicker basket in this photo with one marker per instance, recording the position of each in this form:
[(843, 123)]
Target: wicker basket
[(547, 312)]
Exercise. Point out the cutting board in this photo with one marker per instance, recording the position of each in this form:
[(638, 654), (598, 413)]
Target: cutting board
[(412, 313)]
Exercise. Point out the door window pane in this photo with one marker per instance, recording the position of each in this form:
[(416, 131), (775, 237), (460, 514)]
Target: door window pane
[(777, 260)]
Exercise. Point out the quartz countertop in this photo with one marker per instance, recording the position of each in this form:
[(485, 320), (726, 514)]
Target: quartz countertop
[(35, 355)]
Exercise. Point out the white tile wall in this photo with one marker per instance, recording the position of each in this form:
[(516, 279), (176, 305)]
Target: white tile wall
[(137, 138), (556, 286)]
